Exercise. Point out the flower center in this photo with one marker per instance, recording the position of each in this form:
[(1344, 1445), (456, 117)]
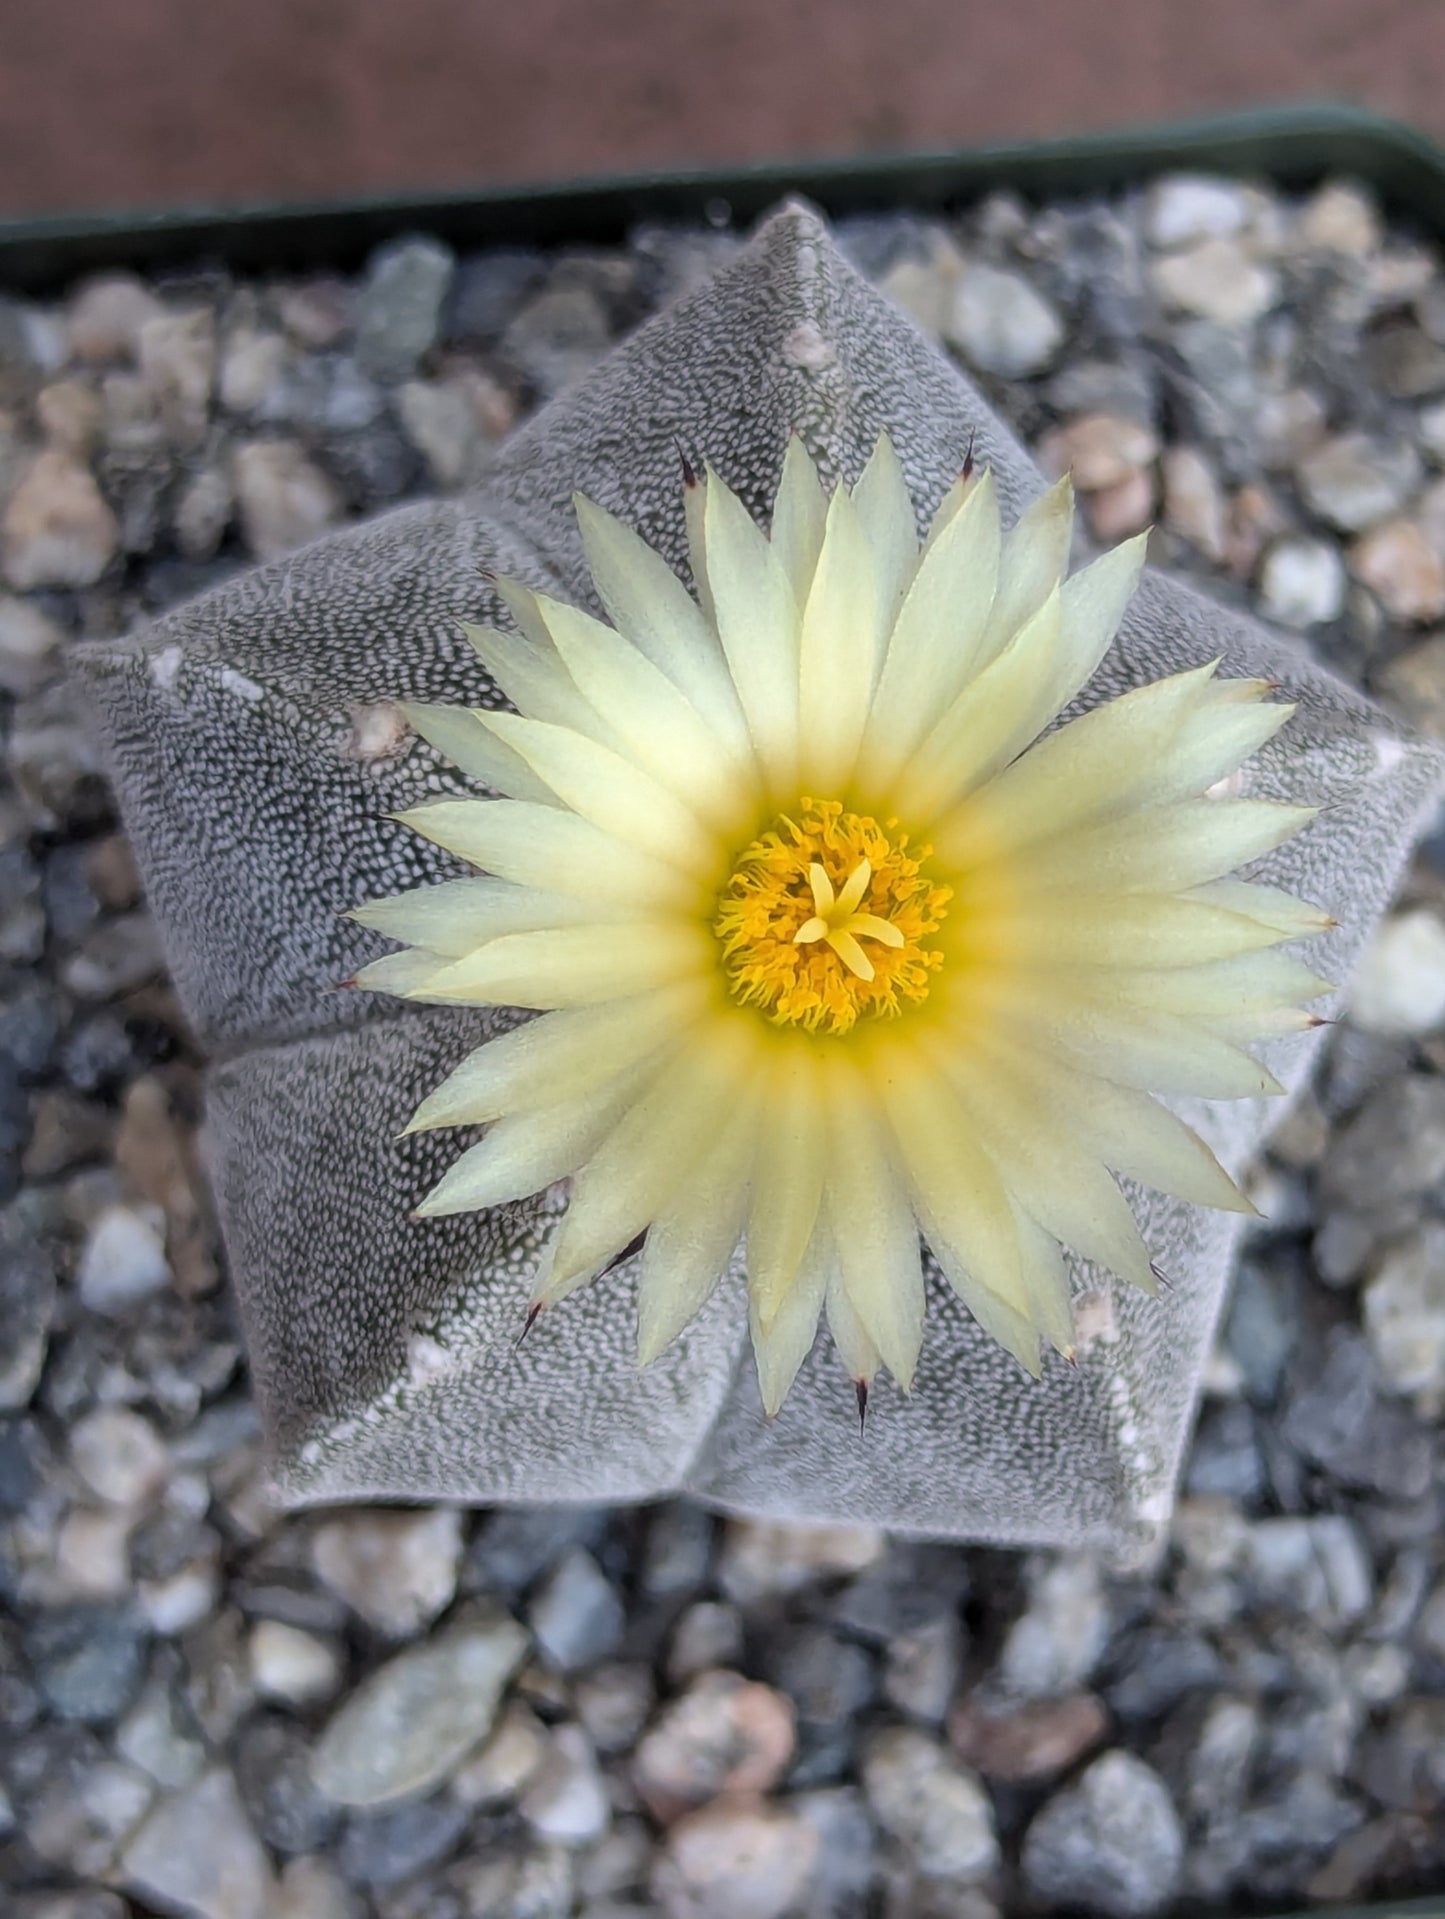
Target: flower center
[(823, 919)]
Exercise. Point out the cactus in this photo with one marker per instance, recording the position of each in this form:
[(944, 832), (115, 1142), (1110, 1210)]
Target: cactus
[(258, 747)]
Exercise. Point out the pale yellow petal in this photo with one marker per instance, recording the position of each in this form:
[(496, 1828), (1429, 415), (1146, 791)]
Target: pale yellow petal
[(1211, 745), (1162, 849), (691, 1241), (1296, 918), (838, 652), (649, 1154), (559, 1056), (758, 624), (1249, 983), (992, 720), (957, 1193), (1011, 1325), (1065, 1188), (1087, 770), (694, 510), (533, 678), (1122, 930), (799, 514), (458, 733), (1046, 1281), (404, 974), (856, 1350), (969, 479), (576, 965), (789, 1165), (550, 849), (1034, 559), (609, 791), (1128, 1130), (453, 916), (780, 1348), (1091, 605), (526, 1152), (874, 1233), (647, 719), (885, 513), (1119, 1037), (647, 603), (936, 636)]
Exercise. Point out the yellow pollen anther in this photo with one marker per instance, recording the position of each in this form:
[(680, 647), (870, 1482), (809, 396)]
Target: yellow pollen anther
[(800, 900)]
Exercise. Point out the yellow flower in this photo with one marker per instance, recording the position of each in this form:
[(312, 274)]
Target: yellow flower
[(832, 950)]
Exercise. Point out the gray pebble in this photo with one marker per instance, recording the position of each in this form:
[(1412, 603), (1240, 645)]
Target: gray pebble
[(391, 1848), (87, 1660), (567, 1801), (1001, 324), (27, 1304), (197, 1854), (274, 1774), (1054, 1646), (1338, 1421), (1353, 482), (515, 1547), (576, 1616), (1404, 1312), (1111, 1843), (399, 312), (486, 292), (936, 1810), (415, 1719)]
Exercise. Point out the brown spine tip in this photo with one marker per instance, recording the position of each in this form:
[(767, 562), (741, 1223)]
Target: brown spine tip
[(633, 1246), (689, 471), (1318, 1019), (1162, 1277), (533, 1314), (860, 1393), (346, 985), (965, 472)]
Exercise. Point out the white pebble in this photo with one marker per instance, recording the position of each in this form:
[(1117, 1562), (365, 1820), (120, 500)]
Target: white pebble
[(1186, 207), (124, 1259), (119, 1455), (1002, 324), (1217, 280), (1400, 986), (567, 1801), (176, 1604), (292, 1665), (1302, 583), (1404, 1312)]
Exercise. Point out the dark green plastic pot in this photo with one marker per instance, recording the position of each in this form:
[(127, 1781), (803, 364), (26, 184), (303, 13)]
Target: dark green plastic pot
[(1287, 146)]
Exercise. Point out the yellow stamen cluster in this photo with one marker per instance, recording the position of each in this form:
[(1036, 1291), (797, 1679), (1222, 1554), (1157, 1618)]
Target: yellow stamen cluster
[(803, 898)]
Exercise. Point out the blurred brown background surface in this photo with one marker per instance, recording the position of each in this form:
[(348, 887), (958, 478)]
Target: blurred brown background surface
[(145, 102)]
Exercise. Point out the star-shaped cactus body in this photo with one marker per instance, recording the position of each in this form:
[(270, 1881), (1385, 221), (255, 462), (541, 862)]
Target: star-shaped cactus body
[(259, 748)]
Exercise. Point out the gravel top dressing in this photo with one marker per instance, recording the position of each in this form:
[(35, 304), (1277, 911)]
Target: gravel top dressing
[(621, 1713)]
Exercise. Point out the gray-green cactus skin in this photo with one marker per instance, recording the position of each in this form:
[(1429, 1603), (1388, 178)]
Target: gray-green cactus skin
[(257, 757)]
